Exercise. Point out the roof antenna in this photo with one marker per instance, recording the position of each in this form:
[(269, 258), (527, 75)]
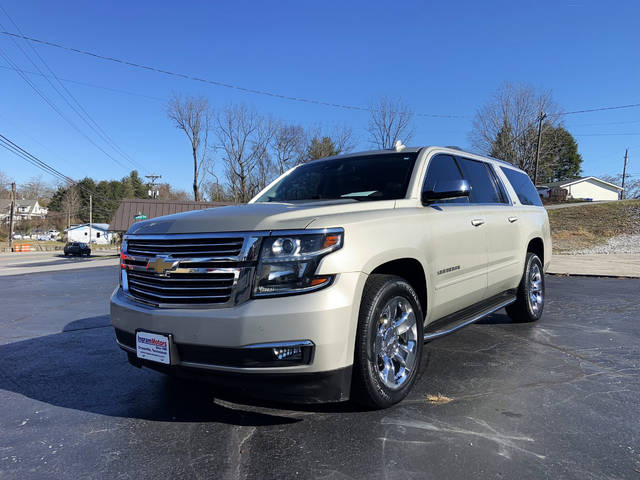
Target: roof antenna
[(400, 146)]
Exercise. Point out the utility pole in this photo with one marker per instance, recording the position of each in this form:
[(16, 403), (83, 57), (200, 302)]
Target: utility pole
[(90, 216), (624, 172), (535, 168), (13, 208), (153, 192)]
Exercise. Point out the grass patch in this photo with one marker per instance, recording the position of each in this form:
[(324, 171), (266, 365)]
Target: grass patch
[(438, 399), (587, 226)]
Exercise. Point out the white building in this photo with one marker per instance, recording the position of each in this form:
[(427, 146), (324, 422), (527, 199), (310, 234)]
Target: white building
[(24, 210), (591, 188), (99, 233)]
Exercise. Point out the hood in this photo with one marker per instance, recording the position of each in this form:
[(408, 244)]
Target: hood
[(252, 217)]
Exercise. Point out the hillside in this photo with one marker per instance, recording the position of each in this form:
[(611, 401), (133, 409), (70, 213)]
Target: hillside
[(598, 227)]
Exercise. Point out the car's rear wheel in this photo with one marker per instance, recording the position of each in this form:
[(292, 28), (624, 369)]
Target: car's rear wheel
[(529, 302), (389, 342)]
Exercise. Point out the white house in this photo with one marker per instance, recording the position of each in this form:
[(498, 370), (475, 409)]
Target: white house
[(24, 210), (591, 188), (99, 233)]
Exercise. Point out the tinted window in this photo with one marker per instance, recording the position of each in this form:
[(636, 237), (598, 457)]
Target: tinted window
[(443, 169), (504, 197), (483, 188), (521, 183), (376, 177)]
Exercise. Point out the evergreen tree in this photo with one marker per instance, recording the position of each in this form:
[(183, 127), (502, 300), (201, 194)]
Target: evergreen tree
[(559, 157), (320, 148), (503, 147)]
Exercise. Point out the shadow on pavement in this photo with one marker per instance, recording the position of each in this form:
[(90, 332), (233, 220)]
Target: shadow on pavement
[(81, 368)]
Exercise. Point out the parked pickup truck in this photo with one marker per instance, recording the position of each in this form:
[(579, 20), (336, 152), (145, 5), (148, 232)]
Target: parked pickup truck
[(329, 282)]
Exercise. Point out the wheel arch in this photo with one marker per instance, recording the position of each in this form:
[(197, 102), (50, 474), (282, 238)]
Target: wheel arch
[(412, 271), (536, 245)]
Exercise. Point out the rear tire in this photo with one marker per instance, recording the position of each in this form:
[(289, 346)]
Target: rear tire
[(389, 342), (529, 302)]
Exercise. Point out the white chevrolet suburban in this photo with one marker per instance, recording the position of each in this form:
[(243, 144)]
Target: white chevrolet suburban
[(327, 284)]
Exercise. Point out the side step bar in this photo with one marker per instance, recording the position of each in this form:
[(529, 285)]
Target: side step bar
[(467, 316)]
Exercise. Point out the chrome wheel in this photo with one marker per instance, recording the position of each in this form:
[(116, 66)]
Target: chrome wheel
[(395, 344), (536, 292)]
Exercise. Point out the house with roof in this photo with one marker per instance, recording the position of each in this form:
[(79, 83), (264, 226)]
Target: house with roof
[(25, 209), (100, 233), (586, 188)]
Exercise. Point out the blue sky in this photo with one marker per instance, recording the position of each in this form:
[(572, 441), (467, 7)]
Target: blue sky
[(442, 58)]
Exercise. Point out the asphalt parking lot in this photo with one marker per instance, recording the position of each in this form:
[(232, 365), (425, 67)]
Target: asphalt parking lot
[(556, 399)]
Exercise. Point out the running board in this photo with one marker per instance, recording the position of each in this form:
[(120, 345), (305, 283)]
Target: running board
[(469, 315)]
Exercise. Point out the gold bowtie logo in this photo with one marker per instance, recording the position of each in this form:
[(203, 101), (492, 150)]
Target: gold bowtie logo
[(162, 265)]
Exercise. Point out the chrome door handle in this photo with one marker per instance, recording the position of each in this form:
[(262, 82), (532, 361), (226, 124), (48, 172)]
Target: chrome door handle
[(477, 222), (512, 219)]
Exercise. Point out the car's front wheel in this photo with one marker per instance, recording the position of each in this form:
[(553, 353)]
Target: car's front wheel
[(389, 342), (530, 294)]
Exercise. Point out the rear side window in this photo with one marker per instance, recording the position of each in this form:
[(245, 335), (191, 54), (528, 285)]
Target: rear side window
[(483, 187), (443, 169), (521, 183)]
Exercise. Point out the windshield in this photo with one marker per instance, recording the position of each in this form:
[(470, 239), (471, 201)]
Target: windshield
[(375, 177)]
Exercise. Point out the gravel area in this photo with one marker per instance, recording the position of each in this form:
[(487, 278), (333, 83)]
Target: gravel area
[(617, 244)]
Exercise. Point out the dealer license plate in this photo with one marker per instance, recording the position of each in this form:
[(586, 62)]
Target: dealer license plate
[(152, 346)]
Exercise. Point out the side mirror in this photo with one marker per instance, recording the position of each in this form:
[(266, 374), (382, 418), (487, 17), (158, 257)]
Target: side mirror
[(446, 191)]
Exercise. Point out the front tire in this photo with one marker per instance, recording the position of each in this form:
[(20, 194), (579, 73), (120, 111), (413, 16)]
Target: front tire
[(389, 342), (530, 295)]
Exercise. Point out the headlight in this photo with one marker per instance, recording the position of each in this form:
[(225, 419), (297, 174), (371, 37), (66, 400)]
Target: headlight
[(288, 263)]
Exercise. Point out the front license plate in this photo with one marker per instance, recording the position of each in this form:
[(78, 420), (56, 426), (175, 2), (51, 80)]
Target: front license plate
[(152, 346)]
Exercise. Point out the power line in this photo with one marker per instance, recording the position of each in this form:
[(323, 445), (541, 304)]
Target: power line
[(56, 109), (600, 109), (212, 82), (92, 85), (35, 161), (85, 116)]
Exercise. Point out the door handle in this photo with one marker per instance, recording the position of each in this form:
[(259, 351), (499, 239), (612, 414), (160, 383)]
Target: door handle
[(476, 222), (512, 219)]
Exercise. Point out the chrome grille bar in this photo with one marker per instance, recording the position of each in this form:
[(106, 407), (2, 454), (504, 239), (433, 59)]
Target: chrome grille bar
[(182, 270), (182, 288)]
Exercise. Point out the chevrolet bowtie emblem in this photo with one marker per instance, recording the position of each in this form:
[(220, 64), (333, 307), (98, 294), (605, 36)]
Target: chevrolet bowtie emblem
[(162, 265)]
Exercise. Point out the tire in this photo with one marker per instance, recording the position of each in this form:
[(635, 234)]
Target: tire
[(380, 379), (529, 302)]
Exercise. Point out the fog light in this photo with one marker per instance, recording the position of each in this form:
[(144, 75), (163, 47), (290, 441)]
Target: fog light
[(288, 353)]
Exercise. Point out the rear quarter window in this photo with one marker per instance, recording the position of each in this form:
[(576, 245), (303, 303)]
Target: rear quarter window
[(521, 183)]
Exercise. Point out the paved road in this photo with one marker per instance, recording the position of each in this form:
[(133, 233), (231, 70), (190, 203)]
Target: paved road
[(558, 399), (21, 263)]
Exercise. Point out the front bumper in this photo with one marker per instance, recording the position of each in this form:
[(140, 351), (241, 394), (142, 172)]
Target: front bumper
[(327, 318)]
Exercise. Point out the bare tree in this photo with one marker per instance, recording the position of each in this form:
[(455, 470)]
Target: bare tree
[(217, 192), (631, 185), (342, 136), (5, 186), (288, 145), (36, 188), (71, 204), (193, 116), (167, 192), (506, 126), (390, 120), (244, 137)]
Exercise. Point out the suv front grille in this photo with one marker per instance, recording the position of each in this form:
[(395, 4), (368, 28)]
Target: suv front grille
[(182, 287), (186, 248), (197, 270)]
